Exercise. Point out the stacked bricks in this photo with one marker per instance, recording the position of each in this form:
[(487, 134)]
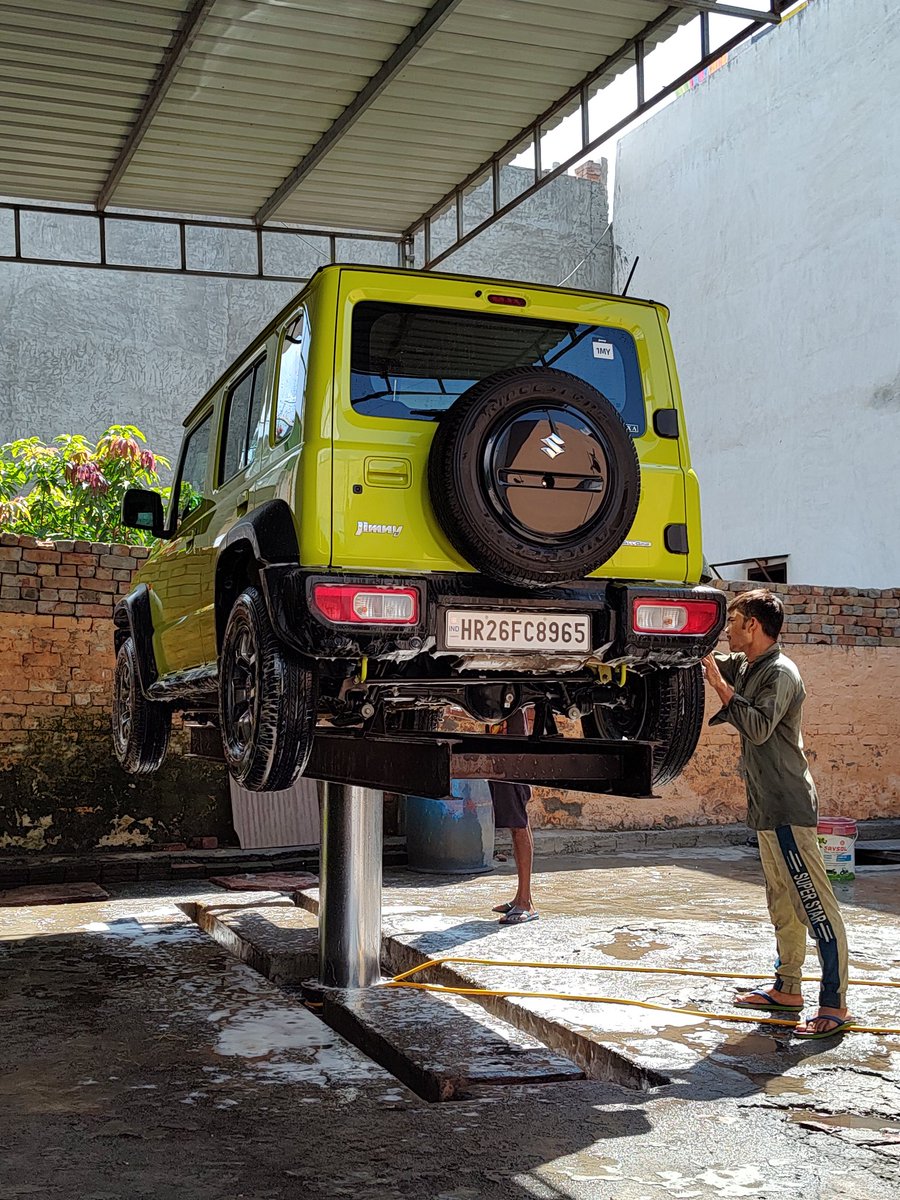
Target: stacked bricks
[(56, 606), (60, 786), (830, 616), (64, 579)]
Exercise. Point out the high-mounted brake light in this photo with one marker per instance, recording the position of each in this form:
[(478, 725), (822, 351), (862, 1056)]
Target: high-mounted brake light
[(356, 604), (513, 301), (673, 616)]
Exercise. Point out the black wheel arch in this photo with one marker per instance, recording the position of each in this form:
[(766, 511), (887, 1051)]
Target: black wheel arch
[(262, 538), (133, 618)]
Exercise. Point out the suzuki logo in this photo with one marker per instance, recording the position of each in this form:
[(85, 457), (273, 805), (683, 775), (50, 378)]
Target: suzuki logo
[(552, 445)]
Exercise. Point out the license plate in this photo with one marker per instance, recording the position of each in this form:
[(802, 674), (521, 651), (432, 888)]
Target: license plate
[(471, 629)]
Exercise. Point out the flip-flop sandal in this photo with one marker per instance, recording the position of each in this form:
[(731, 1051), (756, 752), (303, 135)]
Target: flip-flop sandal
[(769, 1006), (841, 1024), (504, 908), (518, 916)]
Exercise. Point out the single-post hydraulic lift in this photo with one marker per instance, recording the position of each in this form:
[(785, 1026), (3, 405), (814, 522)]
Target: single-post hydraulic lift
[(354, 770)]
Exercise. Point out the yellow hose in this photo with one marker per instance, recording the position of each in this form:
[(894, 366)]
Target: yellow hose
[(402, 981)]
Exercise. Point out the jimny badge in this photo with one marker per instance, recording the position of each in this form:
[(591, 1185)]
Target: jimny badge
[(367, 527)]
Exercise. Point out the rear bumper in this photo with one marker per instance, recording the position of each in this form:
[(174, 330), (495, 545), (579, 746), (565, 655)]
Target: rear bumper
[(289, 595)]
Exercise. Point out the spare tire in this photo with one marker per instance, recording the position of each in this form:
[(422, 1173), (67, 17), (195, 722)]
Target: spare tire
[(534, 477)]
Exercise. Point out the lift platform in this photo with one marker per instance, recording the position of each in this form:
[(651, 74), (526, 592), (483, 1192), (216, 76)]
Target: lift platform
[(425, 764)]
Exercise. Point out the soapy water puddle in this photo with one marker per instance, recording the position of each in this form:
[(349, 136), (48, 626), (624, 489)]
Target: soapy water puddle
[(845, 1121)]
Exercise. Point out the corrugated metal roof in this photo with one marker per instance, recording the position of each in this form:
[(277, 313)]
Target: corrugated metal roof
[(208, 106)]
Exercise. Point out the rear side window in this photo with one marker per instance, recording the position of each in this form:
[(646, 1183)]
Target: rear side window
[(413, 362), (192, 486), (240, 429), (292, 375)]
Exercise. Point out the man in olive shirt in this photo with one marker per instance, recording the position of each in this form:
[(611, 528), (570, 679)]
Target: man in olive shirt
[(762, 696)]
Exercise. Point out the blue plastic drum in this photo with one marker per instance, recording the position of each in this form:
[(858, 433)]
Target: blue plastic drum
[(455, 836)]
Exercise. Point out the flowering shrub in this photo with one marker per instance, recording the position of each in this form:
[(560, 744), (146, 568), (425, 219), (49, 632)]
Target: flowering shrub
[(72, 489)]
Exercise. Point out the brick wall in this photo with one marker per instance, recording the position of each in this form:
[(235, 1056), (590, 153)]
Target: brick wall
[(846, 642), (60, 787)]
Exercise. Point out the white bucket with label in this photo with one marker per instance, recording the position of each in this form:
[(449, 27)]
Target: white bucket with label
[(837, 840)]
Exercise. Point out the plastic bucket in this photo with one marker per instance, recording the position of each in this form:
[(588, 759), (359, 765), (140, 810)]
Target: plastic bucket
[(837, 840), (455, 836)]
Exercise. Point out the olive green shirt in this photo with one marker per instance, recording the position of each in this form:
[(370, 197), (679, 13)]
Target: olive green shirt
[(765, 710)]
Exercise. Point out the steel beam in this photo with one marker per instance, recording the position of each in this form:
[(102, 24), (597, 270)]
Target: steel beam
[(350, 886), (362, 101), (425, 765), (181, 226), (172, 60), (632, 48)]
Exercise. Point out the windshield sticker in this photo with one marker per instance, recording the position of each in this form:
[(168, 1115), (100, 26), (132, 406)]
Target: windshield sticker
[(603, 349)]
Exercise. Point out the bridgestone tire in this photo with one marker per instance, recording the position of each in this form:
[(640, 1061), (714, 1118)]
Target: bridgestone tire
[(491, 486), (140, 727), (267, 700), (665, 707)]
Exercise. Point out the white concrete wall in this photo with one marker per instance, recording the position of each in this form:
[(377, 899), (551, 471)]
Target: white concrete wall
[(765, 207), (84, 348)]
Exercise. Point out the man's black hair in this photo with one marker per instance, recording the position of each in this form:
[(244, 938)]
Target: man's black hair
[(762, 604)]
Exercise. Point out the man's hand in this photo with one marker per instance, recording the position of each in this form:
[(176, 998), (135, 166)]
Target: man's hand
[(713, 677)]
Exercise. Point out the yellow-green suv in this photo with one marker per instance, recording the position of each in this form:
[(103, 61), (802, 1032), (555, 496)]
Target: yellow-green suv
[(414, 490)]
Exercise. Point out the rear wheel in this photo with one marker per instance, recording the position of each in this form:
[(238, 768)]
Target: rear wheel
[(140, 727), (267, 700), (664, 707)]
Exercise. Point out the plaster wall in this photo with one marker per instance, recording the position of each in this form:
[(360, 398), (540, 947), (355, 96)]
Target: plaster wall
[(763, 205), (84, 348)]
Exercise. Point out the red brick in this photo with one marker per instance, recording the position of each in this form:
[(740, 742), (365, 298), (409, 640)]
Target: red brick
[(18, 606), (57, 608), (42, 556)]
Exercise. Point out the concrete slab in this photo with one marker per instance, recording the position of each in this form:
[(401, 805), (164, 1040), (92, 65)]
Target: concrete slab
[(264, 930), (52, 893), (115, 1084), (438, 1046), (442, 1047), (272, 881), (702, 908)]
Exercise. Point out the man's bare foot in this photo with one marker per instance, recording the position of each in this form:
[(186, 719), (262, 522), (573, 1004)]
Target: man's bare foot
[(770, 998), (826, 1023)]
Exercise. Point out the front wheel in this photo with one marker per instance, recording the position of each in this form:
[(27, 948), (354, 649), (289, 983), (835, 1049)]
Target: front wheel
[(664, 707), (140, 727), (267, 700)]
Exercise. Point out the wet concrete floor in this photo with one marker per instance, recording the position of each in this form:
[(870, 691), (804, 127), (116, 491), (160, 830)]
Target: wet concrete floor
[(139, 1059)]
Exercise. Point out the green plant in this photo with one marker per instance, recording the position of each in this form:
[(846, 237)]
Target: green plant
[(73, 489)]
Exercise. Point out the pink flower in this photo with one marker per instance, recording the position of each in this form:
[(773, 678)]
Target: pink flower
[(148, 460)]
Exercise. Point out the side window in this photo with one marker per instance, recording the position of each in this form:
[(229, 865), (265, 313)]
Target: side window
[(243, 405), (192, 475), (292, 374)]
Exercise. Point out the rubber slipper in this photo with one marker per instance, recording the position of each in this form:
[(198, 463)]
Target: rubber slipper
[(841, 1024), (504, 908), (518, 916), (769, 1006)]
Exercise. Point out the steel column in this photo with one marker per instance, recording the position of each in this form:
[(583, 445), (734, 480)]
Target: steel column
[(350, 886)]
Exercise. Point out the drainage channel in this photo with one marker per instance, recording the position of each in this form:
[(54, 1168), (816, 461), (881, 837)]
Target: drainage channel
[(441, 1047)]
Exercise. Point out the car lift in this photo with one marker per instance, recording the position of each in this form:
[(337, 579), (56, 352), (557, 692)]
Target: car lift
[(354, 770)]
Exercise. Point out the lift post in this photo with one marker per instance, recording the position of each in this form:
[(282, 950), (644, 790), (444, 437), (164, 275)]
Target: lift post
[(350, 886)]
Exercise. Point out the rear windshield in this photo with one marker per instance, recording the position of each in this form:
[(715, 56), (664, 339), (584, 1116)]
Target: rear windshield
[(413, 362)]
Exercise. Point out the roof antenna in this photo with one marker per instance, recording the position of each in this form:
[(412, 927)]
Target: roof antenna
[(637, 259)]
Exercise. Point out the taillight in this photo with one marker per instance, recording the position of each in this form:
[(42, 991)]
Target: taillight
[(357, 604), (673, 616)]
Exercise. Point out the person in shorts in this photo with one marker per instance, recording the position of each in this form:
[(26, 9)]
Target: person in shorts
[(511, 812)]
